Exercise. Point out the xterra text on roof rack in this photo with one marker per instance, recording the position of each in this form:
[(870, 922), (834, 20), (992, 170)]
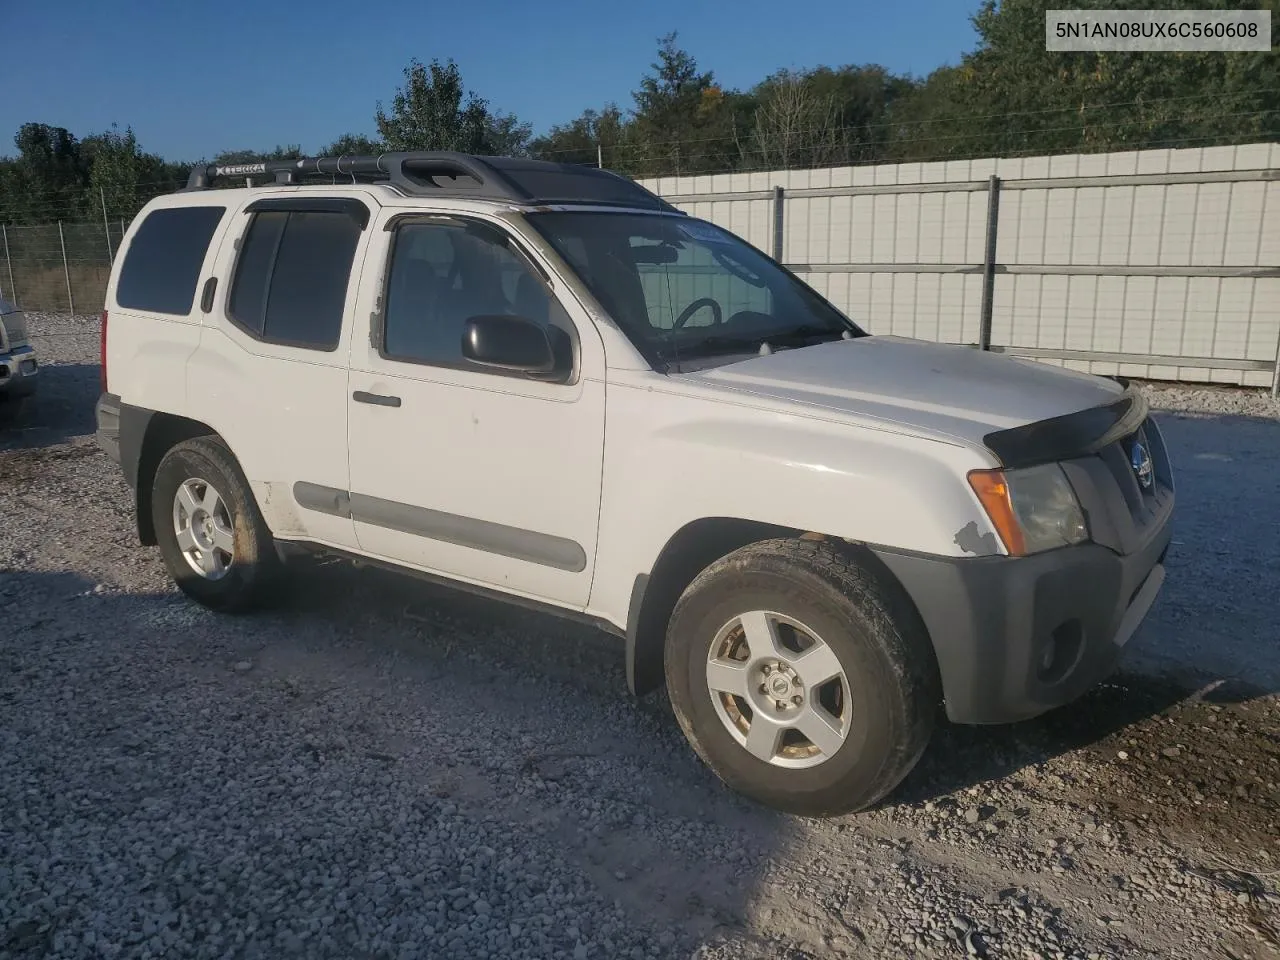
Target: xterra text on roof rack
[(543, 383)]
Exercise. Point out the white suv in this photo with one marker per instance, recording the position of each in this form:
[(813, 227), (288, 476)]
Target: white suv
[(543, 383)]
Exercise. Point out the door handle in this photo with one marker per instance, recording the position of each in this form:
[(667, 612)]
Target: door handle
[(379, 399)]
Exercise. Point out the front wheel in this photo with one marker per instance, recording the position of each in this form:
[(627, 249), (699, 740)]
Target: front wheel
[(801, 677), (212, 536)]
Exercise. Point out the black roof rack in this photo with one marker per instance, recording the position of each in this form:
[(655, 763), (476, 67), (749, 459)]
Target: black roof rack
[(448, 174)]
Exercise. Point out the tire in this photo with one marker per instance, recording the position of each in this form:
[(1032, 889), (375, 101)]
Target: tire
[(250, 569), (883, 702)]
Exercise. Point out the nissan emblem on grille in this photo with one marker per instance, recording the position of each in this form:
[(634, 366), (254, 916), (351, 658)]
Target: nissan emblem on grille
[(1140, 460)]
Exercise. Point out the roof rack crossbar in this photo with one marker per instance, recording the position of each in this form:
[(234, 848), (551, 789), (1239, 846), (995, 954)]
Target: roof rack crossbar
[(447, 173)]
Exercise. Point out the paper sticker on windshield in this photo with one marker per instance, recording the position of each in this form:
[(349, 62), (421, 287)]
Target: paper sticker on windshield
[(703, 232)]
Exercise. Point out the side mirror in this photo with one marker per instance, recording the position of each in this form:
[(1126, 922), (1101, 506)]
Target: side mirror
[(509, 343)]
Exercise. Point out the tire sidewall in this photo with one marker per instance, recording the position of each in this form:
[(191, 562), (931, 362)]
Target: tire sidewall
[(185, 462), (878, 718)]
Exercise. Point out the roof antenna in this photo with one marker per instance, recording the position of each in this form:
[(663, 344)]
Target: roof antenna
[(765, 348)]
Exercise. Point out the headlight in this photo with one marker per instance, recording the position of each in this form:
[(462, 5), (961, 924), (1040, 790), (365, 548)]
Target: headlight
[(1033, 509)]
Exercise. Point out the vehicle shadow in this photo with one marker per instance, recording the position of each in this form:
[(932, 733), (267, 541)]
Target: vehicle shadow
[(60, 410)]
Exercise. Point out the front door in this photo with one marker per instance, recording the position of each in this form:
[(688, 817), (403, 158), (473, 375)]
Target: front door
[(463, 470)]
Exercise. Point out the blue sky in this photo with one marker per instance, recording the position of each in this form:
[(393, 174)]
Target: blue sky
[(196, 78)]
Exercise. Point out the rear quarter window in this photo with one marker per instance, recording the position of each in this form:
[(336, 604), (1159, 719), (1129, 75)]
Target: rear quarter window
[(162, 266)]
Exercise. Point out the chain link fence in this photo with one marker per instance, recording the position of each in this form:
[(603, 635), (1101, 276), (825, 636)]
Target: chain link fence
[(58, 267)]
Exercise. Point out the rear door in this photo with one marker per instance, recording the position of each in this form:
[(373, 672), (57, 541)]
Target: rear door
[(270, 374)]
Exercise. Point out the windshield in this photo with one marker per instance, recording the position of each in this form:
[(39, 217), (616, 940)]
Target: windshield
[(682, 288)]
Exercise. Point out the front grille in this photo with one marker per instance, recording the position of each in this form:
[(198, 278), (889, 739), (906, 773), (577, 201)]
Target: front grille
[(1121, 459), (1123, 514)]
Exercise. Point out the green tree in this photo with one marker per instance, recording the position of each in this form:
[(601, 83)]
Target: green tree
[(683, 122), (1012, 96), (292, 151), (434, 111), (508, 137), (47, 180), (933, 120), (353, 145), (590, 137), (117, 172), (864, 98)]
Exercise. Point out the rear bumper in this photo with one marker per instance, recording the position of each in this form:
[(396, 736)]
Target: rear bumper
[(19, 372), (1015, 637), (107, 414)]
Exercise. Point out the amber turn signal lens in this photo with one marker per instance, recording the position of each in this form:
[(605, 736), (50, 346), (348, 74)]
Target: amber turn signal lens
[(993, 493)]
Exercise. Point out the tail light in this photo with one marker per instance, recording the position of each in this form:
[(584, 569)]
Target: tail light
[(103, 374)]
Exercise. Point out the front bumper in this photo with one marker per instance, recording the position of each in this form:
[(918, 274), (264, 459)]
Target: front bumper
[(19, 372), (1017, 636)]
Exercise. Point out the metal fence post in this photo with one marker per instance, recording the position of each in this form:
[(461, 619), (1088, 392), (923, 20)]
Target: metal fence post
[(66, 268), (106, 230), (1275, 373), (8, 260), (779, 222), (989, 263)]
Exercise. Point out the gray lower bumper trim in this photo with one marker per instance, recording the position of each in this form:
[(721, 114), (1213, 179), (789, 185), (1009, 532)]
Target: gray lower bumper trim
[(993, 621)]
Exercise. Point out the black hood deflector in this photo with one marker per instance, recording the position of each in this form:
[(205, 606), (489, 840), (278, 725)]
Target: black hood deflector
[(1071, 435)]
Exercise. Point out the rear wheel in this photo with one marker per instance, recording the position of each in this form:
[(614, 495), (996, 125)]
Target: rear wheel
[(212, 535), (801, 677)]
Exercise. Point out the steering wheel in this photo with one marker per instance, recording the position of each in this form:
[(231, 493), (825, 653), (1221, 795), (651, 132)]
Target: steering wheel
[(697, 305)]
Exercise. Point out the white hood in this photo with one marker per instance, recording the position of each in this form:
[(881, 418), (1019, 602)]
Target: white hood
[(925, 387)]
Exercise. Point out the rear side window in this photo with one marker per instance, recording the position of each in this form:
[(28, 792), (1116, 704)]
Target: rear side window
[(162, 267), (290, 283)]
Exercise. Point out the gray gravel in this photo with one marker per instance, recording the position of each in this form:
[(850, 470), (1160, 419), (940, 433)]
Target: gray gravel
[(381, 769), (1213, 401)]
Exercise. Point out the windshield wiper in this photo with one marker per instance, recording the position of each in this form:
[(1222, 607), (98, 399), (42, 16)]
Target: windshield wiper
[(806, 331), (710, 346), (716, 344)]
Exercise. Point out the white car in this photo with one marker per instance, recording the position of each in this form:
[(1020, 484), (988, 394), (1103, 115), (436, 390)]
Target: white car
[(543, 383), (19, 368)]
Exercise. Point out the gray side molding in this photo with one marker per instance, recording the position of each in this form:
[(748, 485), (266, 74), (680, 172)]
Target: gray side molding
[(312, 496), (520, 544)]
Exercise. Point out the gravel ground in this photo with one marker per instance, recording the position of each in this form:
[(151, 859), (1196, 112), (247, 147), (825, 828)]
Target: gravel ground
[(383, 769)]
